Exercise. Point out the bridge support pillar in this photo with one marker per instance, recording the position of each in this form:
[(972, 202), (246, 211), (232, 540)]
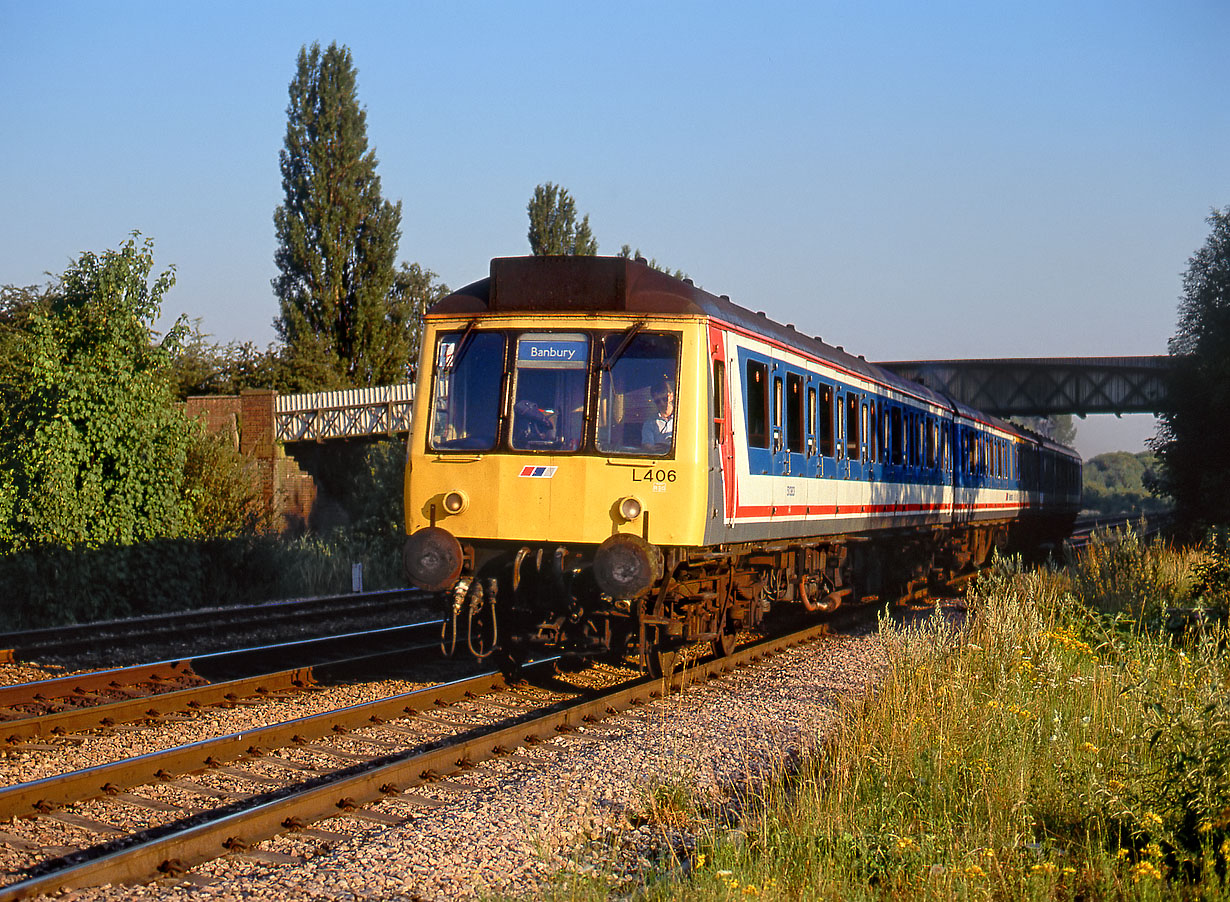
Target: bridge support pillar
[(285, 491)]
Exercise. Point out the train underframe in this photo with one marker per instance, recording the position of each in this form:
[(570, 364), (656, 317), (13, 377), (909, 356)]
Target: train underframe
[(513, 598)]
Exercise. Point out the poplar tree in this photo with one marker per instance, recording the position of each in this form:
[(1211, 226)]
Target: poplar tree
[(342, 320), (554, 229)]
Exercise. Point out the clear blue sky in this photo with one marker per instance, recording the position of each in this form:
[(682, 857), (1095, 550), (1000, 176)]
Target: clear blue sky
[(909, 180)]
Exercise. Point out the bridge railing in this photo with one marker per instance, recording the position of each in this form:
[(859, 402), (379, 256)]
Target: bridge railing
[(352, 413)]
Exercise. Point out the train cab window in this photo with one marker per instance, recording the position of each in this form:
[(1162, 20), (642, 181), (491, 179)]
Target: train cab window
[(549, 391), (637, 393), (794, 412), (826, 421), (465, 397), (757, 404), (852, 424)]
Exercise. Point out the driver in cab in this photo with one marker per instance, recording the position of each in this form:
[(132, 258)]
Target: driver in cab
[(658, 431)]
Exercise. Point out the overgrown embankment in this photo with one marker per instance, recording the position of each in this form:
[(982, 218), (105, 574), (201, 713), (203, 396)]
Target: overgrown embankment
[(1066, 742), (50, 584)]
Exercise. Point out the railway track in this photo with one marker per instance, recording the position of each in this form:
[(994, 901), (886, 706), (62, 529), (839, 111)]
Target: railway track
[(73, 640), (159, 814), (167, 690), (1085, 527)]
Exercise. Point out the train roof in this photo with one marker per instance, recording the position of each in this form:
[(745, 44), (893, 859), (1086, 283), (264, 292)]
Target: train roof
[(591, 284)]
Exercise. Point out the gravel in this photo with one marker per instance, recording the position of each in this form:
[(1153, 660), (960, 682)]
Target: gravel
[(513, 825)]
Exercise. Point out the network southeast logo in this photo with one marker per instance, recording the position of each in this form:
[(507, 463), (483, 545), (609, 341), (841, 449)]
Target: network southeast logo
[(538, 472)]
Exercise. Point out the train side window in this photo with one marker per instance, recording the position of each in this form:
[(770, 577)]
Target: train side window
[(794, 412), (852, 423), (826, 421), (719, 401), (872, 433), (757, 404), (898, 438), (884, 435), (811, 421), (839, 427), (778, 419)]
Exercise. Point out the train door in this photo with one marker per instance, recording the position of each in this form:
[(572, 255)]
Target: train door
[(856, 417), (826, 462), (781, 455), (795, 426), (839, 433), (811, 442), (723, 428)]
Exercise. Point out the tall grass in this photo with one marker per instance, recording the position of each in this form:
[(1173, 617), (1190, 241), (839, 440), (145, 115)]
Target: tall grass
[(1058, 744)]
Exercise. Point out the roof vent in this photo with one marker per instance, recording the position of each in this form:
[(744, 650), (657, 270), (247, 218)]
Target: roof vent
[(841, 348), (790, 326), (760, 313), (687, 281), (725, 297)]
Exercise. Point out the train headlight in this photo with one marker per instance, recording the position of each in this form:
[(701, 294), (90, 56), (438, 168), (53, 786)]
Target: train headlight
[(455, 502), (629, 508), (626, 565), (432, 558)]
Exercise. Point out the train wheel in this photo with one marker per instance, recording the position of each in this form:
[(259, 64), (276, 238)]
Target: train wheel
[(724, 642), (662, 661)]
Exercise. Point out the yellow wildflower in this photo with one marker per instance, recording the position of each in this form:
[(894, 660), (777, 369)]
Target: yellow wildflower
[(1091, 748), (1144, 869), (974, 871)]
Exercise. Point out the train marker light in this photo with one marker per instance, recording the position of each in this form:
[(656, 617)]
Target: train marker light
[(456, 502), (629, 508)]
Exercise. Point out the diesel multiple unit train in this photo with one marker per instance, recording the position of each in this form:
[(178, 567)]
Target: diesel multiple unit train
[(606, 458)]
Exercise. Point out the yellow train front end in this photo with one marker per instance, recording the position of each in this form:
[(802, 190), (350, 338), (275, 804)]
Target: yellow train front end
[(554, 455)]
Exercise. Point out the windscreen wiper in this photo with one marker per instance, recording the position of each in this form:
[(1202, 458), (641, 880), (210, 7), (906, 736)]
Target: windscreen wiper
[(462, 347), (629, 334)]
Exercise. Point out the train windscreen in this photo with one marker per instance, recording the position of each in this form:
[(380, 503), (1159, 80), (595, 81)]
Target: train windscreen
[(636, 395), (465, 400), (549, 391)]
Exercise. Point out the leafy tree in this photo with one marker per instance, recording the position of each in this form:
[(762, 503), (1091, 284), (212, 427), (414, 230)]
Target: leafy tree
[(1058, 428), (92, 449), (220, 488), (200, 367), (554, 229), (342, 318), (1117, 483), (627, 253), (1195, 459)]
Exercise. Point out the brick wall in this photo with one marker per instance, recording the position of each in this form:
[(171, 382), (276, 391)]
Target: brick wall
[(287, 491)]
